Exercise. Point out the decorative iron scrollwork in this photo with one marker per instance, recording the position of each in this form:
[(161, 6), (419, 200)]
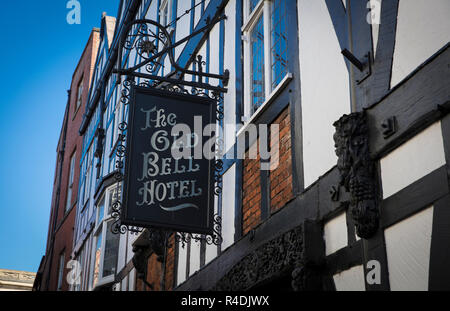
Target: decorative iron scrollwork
[(116, 208), (121, 150), (215, 239), (152, 42), (357, 171), (126, 89)]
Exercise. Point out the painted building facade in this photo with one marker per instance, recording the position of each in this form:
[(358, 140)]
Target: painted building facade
[(53, 269), (357, 196)]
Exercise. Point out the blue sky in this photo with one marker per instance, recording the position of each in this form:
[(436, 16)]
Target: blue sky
[(39, 53)]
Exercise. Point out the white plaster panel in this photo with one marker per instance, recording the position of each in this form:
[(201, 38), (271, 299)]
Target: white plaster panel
[(122, 286), (230, 64), (152, 11), (413, 160), (121, 260), (350, 280), (130, 240), (132, 280), (375, 14), (198, 12), (182, 261), (228, 207), (167, 66), (408, 252), (423, 28), (324, 87), (214, 50), (194, 264), (335, 234), (202, 52), (183, 28)]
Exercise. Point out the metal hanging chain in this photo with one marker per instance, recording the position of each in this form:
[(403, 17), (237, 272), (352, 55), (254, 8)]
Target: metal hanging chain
[(185, 13)]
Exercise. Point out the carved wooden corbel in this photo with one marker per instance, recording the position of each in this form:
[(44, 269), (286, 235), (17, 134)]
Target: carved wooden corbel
[(140, 260), (357, 171)]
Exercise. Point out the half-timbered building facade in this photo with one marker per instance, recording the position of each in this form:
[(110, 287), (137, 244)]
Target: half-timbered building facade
[(353, 192)]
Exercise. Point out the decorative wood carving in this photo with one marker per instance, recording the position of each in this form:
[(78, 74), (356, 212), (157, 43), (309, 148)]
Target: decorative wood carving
[(273, 259), (140, 258), (389, 127), (155, 242), (357, 171), (335, 193)]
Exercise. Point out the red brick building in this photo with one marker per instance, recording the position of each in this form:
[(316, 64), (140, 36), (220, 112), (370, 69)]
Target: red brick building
[(53, 269)]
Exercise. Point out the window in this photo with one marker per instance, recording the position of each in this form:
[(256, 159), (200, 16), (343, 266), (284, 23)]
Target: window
[(105, 252), (164, 12), (87, 172), (70, 185), (265, 49), (253, 4), (76, 286), (60, 271), (79, 95), (117, 120), (257, 87)]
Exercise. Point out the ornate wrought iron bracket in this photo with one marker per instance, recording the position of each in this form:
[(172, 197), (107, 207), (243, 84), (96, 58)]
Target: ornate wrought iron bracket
[(215, 239), (156, 241), (152, 43)]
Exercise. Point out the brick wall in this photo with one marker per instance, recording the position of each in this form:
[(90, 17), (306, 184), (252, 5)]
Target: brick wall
[(280, 175), (281, 191), (251, 205), (154, 271), (170, 264), (64, 228)]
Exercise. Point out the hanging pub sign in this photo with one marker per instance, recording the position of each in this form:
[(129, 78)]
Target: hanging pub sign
[(169, 172)]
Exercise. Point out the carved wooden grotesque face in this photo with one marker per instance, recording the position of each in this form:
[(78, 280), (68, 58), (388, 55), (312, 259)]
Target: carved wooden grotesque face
[(357, 170), (350, 141)]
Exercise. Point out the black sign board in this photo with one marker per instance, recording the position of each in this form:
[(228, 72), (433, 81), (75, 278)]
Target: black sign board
[(162, 188)]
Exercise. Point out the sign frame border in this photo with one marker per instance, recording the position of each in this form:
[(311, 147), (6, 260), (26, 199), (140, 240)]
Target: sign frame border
[(128, 221)]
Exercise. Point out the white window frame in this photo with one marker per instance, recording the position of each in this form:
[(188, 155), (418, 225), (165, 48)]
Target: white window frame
[(118, 116), (76, 287), (71, 182), (87, 176), (101, 227), (80, 89), (62, 260), (165, 4), (250, 21)]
